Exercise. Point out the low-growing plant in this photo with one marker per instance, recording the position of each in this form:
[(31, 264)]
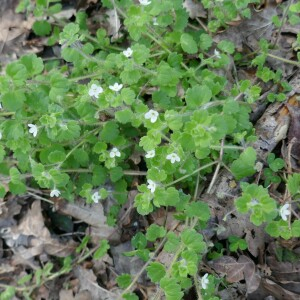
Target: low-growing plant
[(71, 125)]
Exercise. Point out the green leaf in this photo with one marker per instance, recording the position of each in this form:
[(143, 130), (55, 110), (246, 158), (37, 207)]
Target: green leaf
[(124, 280), (69, 34), (139, 241), (293, 184), (193, 240), (102, 250), (13, 100), (188, 44), (198, 95), (130, 296), (154, 232), (244, 165), (226, 46), (140, 53), (295, 8), (24, 279), (56, 156), (2, 153), (124, 116), (171, 288), (156, 271), (199, 210), (8, 293), (110, 132), (33, 64), (172, 243), (296, 228), (41, 28), (205, 41), (116, 174)]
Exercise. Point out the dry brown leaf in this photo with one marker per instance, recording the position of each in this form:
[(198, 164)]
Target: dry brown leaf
[(88, 281), (228, 266), (195, 9), (114, 24), (236, 271), (279, 292), (32, 233), (91, 214), (251, 276)]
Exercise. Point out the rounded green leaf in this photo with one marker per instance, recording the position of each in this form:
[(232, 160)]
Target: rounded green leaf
[(188, 44)]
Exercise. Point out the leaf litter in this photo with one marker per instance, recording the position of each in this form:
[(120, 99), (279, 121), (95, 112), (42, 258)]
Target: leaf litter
[(266, 275)]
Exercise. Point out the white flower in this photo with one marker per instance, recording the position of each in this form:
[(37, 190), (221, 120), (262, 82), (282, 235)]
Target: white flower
[(128, 52), (96, 197), (33, 129), (285, 211), (173, 157), (55, 193), (150, 154), (217, 53), (114, 152), (116, 87), (151, 185), (95, 90), (204, 281), (152, 115), (0, 135), (144, 2), (1, 107)]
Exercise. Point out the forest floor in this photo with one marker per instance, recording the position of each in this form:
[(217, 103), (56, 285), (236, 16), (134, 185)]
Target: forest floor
[(269, 267)]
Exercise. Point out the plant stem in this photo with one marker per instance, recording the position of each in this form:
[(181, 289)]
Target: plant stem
[(194, 172), (288, 61)]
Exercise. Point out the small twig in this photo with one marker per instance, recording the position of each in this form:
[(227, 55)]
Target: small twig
[(217, 169), (202, 24)]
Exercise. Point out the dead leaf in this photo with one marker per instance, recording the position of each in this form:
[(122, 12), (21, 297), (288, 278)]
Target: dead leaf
[(91, 214), (227, 265), (236, 271), (114, 24), (32, 233), (195, 9), (88, 282), (251, 276)]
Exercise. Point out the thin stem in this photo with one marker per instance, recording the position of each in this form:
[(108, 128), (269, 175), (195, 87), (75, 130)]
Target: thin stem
[(217, 169), (292, 62), (194, 172), (283, 21)]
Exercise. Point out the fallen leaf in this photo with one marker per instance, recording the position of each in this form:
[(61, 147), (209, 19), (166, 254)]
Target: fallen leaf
[(88, 282), (91, 214), (195, 9)]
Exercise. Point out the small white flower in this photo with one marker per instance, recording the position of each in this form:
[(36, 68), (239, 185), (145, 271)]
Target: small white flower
[(144, 2), (114, 152), (96, 197), (116, 87), (95, 90), (150, 154), (151, 185), (217, 53), (0, 135), (285, 211), (173, 157), (152, 115), (204, 281), (55, 193), (128, 52), (33, 129), (1, 107)]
